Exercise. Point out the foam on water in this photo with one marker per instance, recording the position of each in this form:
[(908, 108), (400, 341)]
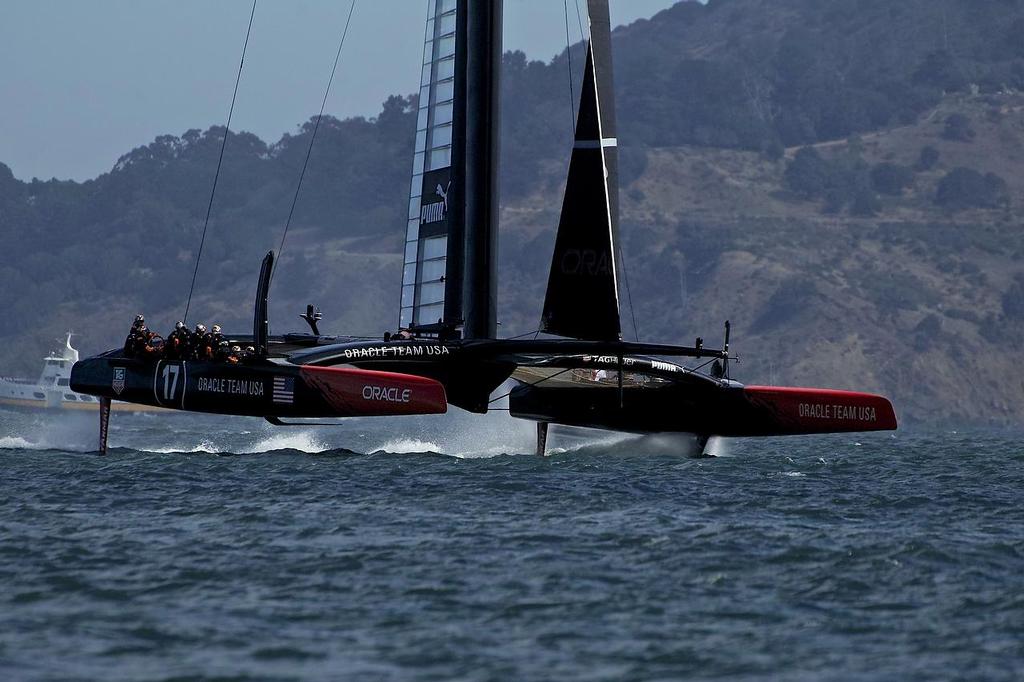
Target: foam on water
[(204, 447), (48, 441), (462, 435), (18, 443), (407, 446), (303, 441), (297, 441)]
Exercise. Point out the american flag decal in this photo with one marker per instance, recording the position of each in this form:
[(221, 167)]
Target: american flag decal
[(284, 390)]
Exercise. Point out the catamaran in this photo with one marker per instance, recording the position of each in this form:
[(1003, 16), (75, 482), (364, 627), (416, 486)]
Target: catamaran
[(580, 373)]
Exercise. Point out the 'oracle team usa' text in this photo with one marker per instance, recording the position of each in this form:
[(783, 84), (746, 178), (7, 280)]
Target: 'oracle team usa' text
[(831, 411)]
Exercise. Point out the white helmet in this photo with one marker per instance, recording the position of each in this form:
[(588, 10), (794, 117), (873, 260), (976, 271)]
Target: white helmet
[(216, 329), (179, 325), (200, 328)]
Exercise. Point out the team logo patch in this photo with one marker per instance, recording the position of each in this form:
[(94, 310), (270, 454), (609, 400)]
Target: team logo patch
[(118, 383), (438, 211)]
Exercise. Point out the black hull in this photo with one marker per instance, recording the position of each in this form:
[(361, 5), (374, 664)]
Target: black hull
[(198, 386), (313, 379), (263, 388), (730, 410)]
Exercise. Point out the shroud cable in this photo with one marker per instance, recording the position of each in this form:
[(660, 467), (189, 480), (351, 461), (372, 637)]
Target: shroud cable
[(220, 162), (312, 138)]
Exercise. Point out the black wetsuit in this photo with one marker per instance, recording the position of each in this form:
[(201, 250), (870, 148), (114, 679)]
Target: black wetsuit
[(179, 344), (137, 341)]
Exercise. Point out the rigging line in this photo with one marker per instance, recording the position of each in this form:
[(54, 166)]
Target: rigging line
[(629, 295), (523, 336), (568, 54), (579, 20), (536, 383), (220, 162), (312, 138)]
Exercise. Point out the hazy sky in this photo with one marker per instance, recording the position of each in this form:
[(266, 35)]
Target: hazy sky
[(82, 83)]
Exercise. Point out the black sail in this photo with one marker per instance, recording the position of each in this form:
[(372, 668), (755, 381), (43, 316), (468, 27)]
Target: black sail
[(582, 298)]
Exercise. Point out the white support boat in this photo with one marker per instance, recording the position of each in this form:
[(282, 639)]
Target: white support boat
[(51, 391)]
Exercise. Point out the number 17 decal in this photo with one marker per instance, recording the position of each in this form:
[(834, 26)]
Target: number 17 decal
[(166, 383), (170, 375)]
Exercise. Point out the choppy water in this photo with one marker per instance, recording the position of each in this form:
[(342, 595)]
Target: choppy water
[(205, 548)]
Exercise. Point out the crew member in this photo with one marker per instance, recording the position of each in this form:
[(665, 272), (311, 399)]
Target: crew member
[(403, 335), (136, 339), (152, 345), (178, 345), (200, 343), (221, 351)]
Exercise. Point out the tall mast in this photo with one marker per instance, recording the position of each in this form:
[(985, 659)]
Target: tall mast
[(483, 21), (450, 274)]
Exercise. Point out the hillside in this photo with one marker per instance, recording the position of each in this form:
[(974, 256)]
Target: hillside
[(775, 173)]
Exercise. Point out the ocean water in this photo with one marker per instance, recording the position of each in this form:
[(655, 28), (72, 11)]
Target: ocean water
[(205, 548)]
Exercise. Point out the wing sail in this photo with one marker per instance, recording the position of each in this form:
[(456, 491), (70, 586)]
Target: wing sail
[(426, 285)]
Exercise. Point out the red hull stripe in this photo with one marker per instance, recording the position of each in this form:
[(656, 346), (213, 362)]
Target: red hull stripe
[(821, 410), (366, 393)]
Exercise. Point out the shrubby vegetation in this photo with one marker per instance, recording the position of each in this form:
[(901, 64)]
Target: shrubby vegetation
[(958, 128), (842, 181), (797, 72), (891, 178), (1013, 300), (742, 74), (926, 160), (964, 188), (926, 332), (789, 301)]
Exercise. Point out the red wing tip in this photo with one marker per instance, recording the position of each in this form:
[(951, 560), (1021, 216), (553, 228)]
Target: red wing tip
[(825, 410), (364, 392)]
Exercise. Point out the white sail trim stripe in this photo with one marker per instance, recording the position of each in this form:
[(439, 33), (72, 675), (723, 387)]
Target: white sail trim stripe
[(597, 144), (607, 193)]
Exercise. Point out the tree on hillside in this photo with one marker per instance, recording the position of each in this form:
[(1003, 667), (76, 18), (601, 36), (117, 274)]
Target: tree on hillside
[(941, 70), (1013, 300), (807, 174), (891, 178), (865, 203), (841, 181), (1013, 39), (964, 188), (958, 128), (927, 158)]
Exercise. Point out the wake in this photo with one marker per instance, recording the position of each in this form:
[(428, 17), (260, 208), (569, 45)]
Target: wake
[(457, 435)]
